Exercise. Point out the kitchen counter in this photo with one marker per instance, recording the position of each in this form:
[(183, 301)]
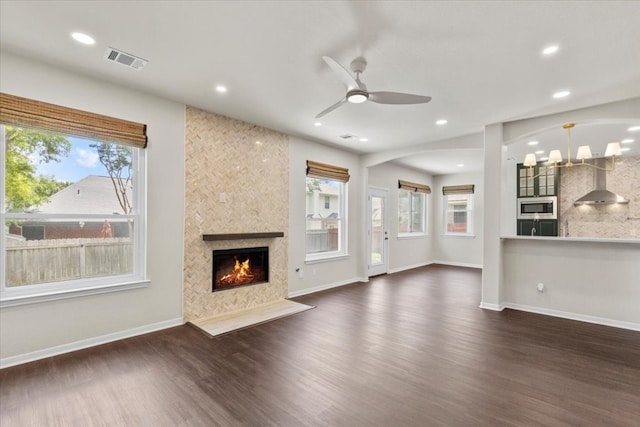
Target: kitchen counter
[(572, 239), (583, 278)]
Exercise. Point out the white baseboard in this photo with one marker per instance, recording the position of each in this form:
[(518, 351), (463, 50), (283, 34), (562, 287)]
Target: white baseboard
[(458, 264), (574, 316), (408, 267), (293, 294), (89, 342), (494, 307)]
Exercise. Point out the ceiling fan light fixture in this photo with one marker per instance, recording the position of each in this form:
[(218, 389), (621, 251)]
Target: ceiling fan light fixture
[(357, 92), (357, 96)]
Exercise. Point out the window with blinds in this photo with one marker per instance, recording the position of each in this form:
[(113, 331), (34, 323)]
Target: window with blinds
[(412, 208), (458, 209), (28, 113), (325, 210), (72, 182)]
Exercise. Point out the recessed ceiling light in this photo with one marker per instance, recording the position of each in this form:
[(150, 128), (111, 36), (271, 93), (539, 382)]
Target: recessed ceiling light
[(221, 89), (460, 165), (625, 149), (317, 124), (544, 159), (532, 142), (561, 94), (550, 50), (441, 122), (634, 128), (364, 139), (83, 38), (540, 152), (627, 141)]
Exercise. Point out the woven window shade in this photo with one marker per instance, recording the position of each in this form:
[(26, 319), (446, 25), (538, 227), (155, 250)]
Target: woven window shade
[(412, 186), (321, 170), (23, 112), (458, 189)]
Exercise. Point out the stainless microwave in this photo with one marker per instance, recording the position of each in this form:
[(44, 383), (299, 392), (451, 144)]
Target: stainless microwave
[(538, 207)]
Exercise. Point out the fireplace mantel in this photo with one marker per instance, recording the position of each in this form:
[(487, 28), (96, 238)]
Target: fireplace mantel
[(238, 236)]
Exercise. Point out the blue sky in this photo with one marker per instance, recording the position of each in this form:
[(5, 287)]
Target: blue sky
[(81, 162)]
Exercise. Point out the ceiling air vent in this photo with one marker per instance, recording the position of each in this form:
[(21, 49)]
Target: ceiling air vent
[(125, 59)]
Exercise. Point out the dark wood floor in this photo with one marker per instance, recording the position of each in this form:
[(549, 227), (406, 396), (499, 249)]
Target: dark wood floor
[(408, 349)]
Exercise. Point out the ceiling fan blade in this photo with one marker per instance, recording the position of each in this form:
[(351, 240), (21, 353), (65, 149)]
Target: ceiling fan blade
[(330, 109), (397, 98), (344, 75)]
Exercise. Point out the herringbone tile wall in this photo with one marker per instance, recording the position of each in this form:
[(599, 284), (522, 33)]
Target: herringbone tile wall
[(249, 167), (610, 221)]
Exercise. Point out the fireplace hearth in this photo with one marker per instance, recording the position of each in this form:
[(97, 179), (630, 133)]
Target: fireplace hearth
[(234, 268)]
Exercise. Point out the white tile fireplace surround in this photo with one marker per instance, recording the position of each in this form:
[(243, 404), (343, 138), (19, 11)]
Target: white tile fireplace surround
[(237, 187)]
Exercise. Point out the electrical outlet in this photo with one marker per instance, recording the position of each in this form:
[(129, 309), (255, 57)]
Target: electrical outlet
[(223, 198), (540, 287)]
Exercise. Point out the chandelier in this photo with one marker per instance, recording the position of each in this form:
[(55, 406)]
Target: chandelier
[(584, 153)]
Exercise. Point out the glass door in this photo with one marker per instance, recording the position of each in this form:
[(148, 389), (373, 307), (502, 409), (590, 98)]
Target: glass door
[(377, 232)]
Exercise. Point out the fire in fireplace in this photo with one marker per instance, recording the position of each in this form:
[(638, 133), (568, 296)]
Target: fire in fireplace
[(233, 268)]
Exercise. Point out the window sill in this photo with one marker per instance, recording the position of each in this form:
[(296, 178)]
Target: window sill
[(12, 301), (326, 259), (412, 236), (459, 236)]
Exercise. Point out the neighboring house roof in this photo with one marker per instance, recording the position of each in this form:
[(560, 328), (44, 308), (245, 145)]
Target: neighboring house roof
[(91, 195)]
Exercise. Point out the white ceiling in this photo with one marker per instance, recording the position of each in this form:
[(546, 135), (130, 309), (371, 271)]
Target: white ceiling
[(481, 62)]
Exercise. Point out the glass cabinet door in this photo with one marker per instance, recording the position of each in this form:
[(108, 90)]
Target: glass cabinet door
[(526, 182), (544, 183)]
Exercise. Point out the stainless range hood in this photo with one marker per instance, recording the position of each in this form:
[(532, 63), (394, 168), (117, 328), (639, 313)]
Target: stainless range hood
[(600, 196)]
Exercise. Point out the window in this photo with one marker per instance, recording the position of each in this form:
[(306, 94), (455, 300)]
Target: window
[(412, 208), (73, 211), (411, 213), (325, 223), (458, 210)]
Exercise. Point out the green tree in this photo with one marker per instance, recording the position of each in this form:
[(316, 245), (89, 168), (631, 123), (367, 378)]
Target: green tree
[(116, 159), (24, 147)]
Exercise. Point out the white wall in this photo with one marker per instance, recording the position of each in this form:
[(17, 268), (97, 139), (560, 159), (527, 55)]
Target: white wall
[(404, 253), (37, 330), (458, 250), (323, 275), (592, 281)]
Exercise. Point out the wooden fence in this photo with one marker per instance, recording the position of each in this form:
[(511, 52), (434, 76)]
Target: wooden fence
[(322, 240), (40, 261)]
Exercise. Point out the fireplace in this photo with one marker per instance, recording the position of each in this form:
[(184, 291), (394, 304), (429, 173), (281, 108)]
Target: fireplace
[(234, 268)]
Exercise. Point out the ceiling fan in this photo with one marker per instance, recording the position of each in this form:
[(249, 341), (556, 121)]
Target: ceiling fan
[(357, 91)]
